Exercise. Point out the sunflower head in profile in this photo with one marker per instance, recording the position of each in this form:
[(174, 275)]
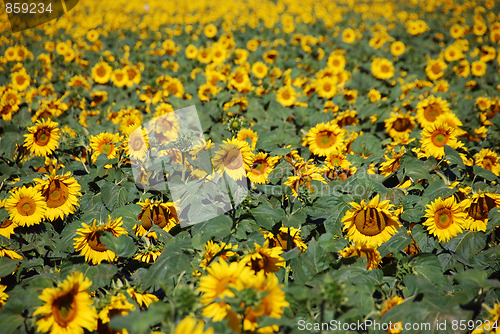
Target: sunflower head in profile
[(26, 206), (68, 307), (42, 138), (163, 215), (477, 209), (371, 254), (435, 137), (265, 258), (445, 218), (371, 224), (282, 238), (88, 242), (260, 168), (233, 158), (325, 139), (105, 143), (61, 194)]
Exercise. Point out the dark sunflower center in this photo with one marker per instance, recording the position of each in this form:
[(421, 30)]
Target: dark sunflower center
[(370, 221), (431, 112), (385, 69), (42, 137), (286, 95), (94, 241), (233, 159), (56, 194), (259, 166), (443, 218), (479, 209), (64, 309), (402, 124), (26, 206), (137, 144)]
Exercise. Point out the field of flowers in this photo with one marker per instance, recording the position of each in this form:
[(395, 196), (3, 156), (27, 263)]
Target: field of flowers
[(367, 134)]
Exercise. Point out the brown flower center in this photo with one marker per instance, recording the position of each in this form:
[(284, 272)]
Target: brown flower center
[(480, 208), (26, 206), (56, 194), (443, 218), (94, 241), (64, 309), (326, 139), (370, 221), (439, 139), (402, 124)]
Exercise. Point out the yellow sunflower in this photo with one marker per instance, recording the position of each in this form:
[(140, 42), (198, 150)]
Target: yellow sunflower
[(245, 134), (192, 326), (43, 138), (489, 160), (213, 249), (430, 108), (148, 255), (283, 236), (105, 142), (118, 305), (61, 194), (163, 215), (371, 254), (399, 124), (7, 228), (445, 218), (391, 164), (68, 307), (101, 72), (286, 96), (137, 141), (260, 167), (143, 299), (435, 136), (119, 77), (20, 80), (234, 157), (3, 296), (260, 70), (326, 87), (4, 252), (26, 206), (477, 209), (325, 139), (371, 224), (88, 242), (435, 69), (382, 68), (265, 258)]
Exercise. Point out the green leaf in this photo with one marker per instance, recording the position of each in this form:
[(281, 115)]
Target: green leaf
[(453, 157), (101, 275), (437, 188), (266, 216), (427, 267), (484, 173), (425, 242), (122, 246), (7, 266)]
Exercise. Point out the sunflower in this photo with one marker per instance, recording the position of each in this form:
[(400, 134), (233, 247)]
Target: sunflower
[(348, 36), (391, 164), (119, 77), (325, 139), (244, 134), (148, 255), (382, 68), (61, 194), (191, 51), (336, 62), (260, 70), (26, 206), (489, 160), (338, 159), (435, 69), (371, 254), (101, 73), (265, 258), (429, 109), (43, 138), (163, 215), (3, 296), (105, 142), (445, 218), (118, 305), (68, 307), (143, 299), (326, 87), (397, 48), (435, 136), (478, 68), (166, 127), (286, 96), (399, 124), (371, 224), (284, 235), (212, 249), (88, 242), (4, 252), (477, 209), (137, 141), (20, 80), (260, 167), (192, 326), (7, 228), (234, 157), (346, 118)]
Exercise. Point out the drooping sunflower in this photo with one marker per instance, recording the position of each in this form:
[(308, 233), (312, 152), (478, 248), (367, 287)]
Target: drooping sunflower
[(163, 215), (234, 157), (26, 206), (260, 167), (325, 139), (148, 255), (435, 136), (61, 194), (42, 138), (88, 242), (371, 224), (265, 258), (430, 108), (213, 249), (105, 142), (68, 307), (143, 299), (489, 160), (371, 254), (399, 124), (445, 218), (477, 209)]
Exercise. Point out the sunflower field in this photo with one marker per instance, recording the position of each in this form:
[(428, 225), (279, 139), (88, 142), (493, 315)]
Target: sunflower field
[(365, 134)]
